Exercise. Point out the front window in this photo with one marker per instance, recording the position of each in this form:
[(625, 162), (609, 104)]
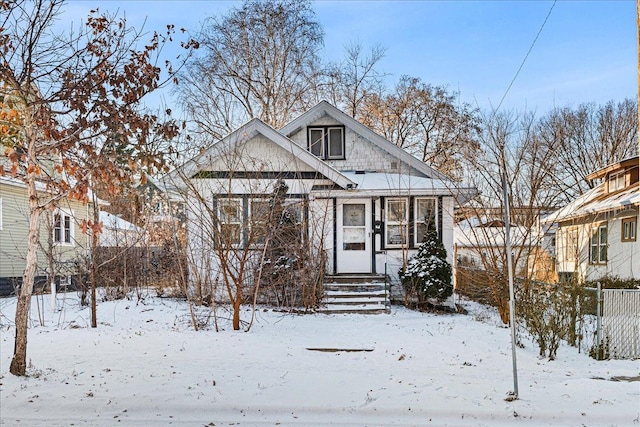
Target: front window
[(62, 228), (286, 227), (425, 217), (327, 142), (629, 229), (230, 216), (396, 222), (598, 245)]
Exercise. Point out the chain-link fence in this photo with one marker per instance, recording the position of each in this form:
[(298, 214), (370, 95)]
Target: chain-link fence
[(620, 325)]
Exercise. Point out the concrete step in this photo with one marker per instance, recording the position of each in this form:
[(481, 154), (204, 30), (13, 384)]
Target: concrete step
[(356, 300), (355, 287), (354, 309), (350, 294), (354, 278), (355, 293)]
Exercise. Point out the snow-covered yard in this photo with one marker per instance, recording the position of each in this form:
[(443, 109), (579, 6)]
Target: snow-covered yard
[(145, 366)]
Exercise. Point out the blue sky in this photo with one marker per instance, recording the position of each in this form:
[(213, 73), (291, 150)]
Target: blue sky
[(586, 52)]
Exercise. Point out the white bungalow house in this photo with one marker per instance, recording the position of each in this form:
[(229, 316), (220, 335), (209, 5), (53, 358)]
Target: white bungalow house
[(361, 200), (597, 233)]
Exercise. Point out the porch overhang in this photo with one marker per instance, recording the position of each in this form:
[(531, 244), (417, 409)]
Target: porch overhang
[(381, 184)]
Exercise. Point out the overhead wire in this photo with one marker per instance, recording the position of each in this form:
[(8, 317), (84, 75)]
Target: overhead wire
[(526, 56)]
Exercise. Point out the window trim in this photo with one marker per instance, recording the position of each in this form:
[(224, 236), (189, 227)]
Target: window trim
[(416, 218), (404, 234), (596, 246), (325, 148), (632, 228), (63, 229)]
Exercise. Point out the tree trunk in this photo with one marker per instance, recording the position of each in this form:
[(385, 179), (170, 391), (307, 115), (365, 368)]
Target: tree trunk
[(236, 310), (19, 361), (94, 244)]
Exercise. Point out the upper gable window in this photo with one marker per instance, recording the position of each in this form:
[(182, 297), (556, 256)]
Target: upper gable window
[(327, 142), (616, 181)]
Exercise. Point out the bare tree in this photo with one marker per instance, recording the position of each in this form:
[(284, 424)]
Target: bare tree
[(351, 82), (77, 97), (260, 60), (428, 121), (511, 148), (590, 137)]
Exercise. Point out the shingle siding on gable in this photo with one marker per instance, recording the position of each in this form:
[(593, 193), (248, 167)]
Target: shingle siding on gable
[(258, 154), (360, 153)]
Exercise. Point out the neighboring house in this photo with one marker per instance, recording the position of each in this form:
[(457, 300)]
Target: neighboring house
[(480, 244), (62, 243), (116, 232), (597, 234), (366, 202)]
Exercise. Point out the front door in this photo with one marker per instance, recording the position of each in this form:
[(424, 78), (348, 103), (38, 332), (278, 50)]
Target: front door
[(354, 236)]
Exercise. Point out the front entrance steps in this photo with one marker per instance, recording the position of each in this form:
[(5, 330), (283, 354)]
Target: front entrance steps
[(363, 294)]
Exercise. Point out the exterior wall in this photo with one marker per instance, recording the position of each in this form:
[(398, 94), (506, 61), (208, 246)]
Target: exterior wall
[(623, 258), (360, 153), (321, 220), (14, 232)]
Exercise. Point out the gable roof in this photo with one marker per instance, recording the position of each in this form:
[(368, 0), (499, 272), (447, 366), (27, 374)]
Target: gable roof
[(325, 108), (597, 200), (621, 165), (250, 130)]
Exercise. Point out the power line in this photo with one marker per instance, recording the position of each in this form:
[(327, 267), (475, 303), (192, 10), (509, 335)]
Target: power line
[(526, 56)]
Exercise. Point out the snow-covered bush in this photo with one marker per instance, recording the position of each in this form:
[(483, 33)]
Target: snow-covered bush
[(428, 274)]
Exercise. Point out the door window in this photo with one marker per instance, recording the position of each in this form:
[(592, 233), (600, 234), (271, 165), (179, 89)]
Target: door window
[(354, 232)]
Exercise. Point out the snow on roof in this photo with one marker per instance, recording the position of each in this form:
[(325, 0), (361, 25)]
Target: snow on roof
[(596, 200), (114, 222), (473, 234), (395, 181), (382, 183), (42, 187)]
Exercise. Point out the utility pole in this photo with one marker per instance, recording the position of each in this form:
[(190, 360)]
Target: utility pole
[(512, 303)]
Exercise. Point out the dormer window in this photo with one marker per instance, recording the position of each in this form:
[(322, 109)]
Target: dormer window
[(327, 142), (616, 181)]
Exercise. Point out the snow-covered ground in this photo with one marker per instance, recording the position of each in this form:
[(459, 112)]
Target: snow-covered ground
[(145, 366)]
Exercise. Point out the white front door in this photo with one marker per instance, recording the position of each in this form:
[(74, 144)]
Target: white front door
[(354, 236)]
